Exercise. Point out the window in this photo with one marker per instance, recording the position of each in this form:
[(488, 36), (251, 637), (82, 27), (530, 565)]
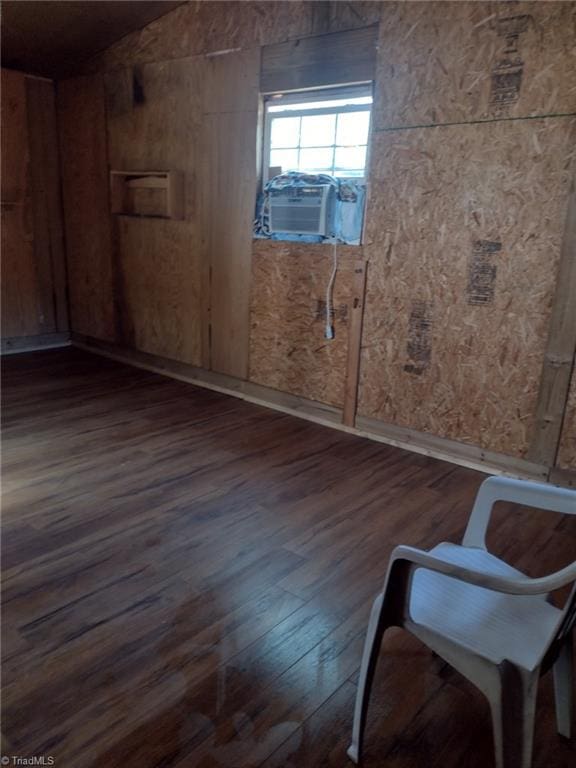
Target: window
[(318, 132)]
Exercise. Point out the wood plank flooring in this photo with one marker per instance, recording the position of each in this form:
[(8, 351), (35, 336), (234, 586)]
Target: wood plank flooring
[(187, 580)]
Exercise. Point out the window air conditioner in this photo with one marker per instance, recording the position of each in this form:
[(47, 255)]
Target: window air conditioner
[(301, 210)]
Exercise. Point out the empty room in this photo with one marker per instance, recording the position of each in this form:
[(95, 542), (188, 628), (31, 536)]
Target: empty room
[(288, 327)]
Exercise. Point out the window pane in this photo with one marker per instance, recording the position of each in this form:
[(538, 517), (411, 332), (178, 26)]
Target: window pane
[(318, 157), (287, 159), (353, 128), (317, 130), (350, 157), (285, 132), (327, 104)]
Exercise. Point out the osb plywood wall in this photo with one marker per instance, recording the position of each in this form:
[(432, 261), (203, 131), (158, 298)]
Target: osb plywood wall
[(33, 279), (182, 94), (202, 27), (466, 217), (471, 157), (288, 348), (466, 225)]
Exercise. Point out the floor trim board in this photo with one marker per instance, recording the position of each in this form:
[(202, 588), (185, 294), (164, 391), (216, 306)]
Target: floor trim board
[(461, 454), (18, 344)]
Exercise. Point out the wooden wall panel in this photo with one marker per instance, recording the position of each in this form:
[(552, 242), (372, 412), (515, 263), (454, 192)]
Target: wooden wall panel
[(21, 311), (465, 226), (154, 123), (34, 301), (82, 129), (228, 190), (49, 254), (288, 350), (560, 349), (456, 62), (203, 27), (567, 449), (222, 25)]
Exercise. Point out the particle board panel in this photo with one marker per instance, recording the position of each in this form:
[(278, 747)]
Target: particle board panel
[(209, 27), (465, 226), (356, 13), (154, 121), (288, 350), (83, 151), (445, 62), (49, 251), (566, 459), (21, 314)]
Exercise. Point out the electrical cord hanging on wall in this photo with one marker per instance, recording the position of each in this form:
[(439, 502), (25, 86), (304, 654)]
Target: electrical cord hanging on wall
[(329, 330)]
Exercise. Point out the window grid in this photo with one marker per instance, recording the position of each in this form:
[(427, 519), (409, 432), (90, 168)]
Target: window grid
[(331, 168)]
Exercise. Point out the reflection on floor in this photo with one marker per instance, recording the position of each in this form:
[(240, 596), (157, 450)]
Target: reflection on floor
[(187, 580)]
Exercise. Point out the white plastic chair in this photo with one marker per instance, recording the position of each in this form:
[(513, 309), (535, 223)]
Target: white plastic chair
[(492, 623)]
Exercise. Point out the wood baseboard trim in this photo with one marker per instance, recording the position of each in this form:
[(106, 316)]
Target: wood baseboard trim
[(442, 448), (451, 450), (219, 382), (18, 344)]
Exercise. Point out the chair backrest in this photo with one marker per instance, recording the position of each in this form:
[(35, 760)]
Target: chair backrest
[(524, 492), (528, 494)]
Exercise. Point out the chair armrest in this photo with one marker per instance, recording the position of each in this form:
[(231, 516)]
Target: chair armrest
[(519, 586), (522, 492)]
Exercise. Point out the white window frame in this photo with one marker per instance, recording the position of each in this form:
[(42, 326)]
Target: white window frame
[(301, 97)]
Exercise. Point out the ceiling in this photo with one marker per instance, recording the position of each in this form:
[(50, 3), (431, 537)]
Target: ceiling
[(49, 38)]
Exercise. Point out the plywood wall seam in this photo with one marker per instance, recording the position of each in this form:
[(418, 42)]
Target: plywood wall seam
[(473, 122), (558, 364)]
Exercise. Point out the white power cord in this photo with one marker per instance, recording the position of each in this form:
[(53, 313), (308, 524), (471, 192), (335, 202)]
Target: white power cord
[(329, 331)]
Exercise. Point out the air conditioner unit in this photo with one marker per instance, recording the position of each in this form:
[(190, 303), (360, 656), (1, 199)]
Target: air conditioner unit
[(305, 210)]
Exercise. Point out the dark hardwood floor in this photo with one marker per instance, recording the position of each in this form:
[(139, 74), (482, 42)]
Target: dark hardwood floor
[(187, 580)]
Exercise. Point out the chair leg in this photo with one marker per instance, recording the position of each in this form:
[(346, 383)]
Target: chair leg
[(376, 629), (513, 710), (563, 681)]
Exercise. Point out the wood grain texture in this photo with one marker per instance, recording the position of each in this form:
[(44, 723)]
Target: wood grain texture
[(49, 253), (154, 121), (320, 413), (461, 221), (560, 354), (288, 350), (194, 589), (445, 62), (21, 303), (228, 191), (84, 158)]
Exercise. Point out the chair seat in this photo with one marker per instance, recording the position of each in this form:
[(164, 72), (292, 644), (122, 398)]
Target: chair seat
[(491, 624)]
